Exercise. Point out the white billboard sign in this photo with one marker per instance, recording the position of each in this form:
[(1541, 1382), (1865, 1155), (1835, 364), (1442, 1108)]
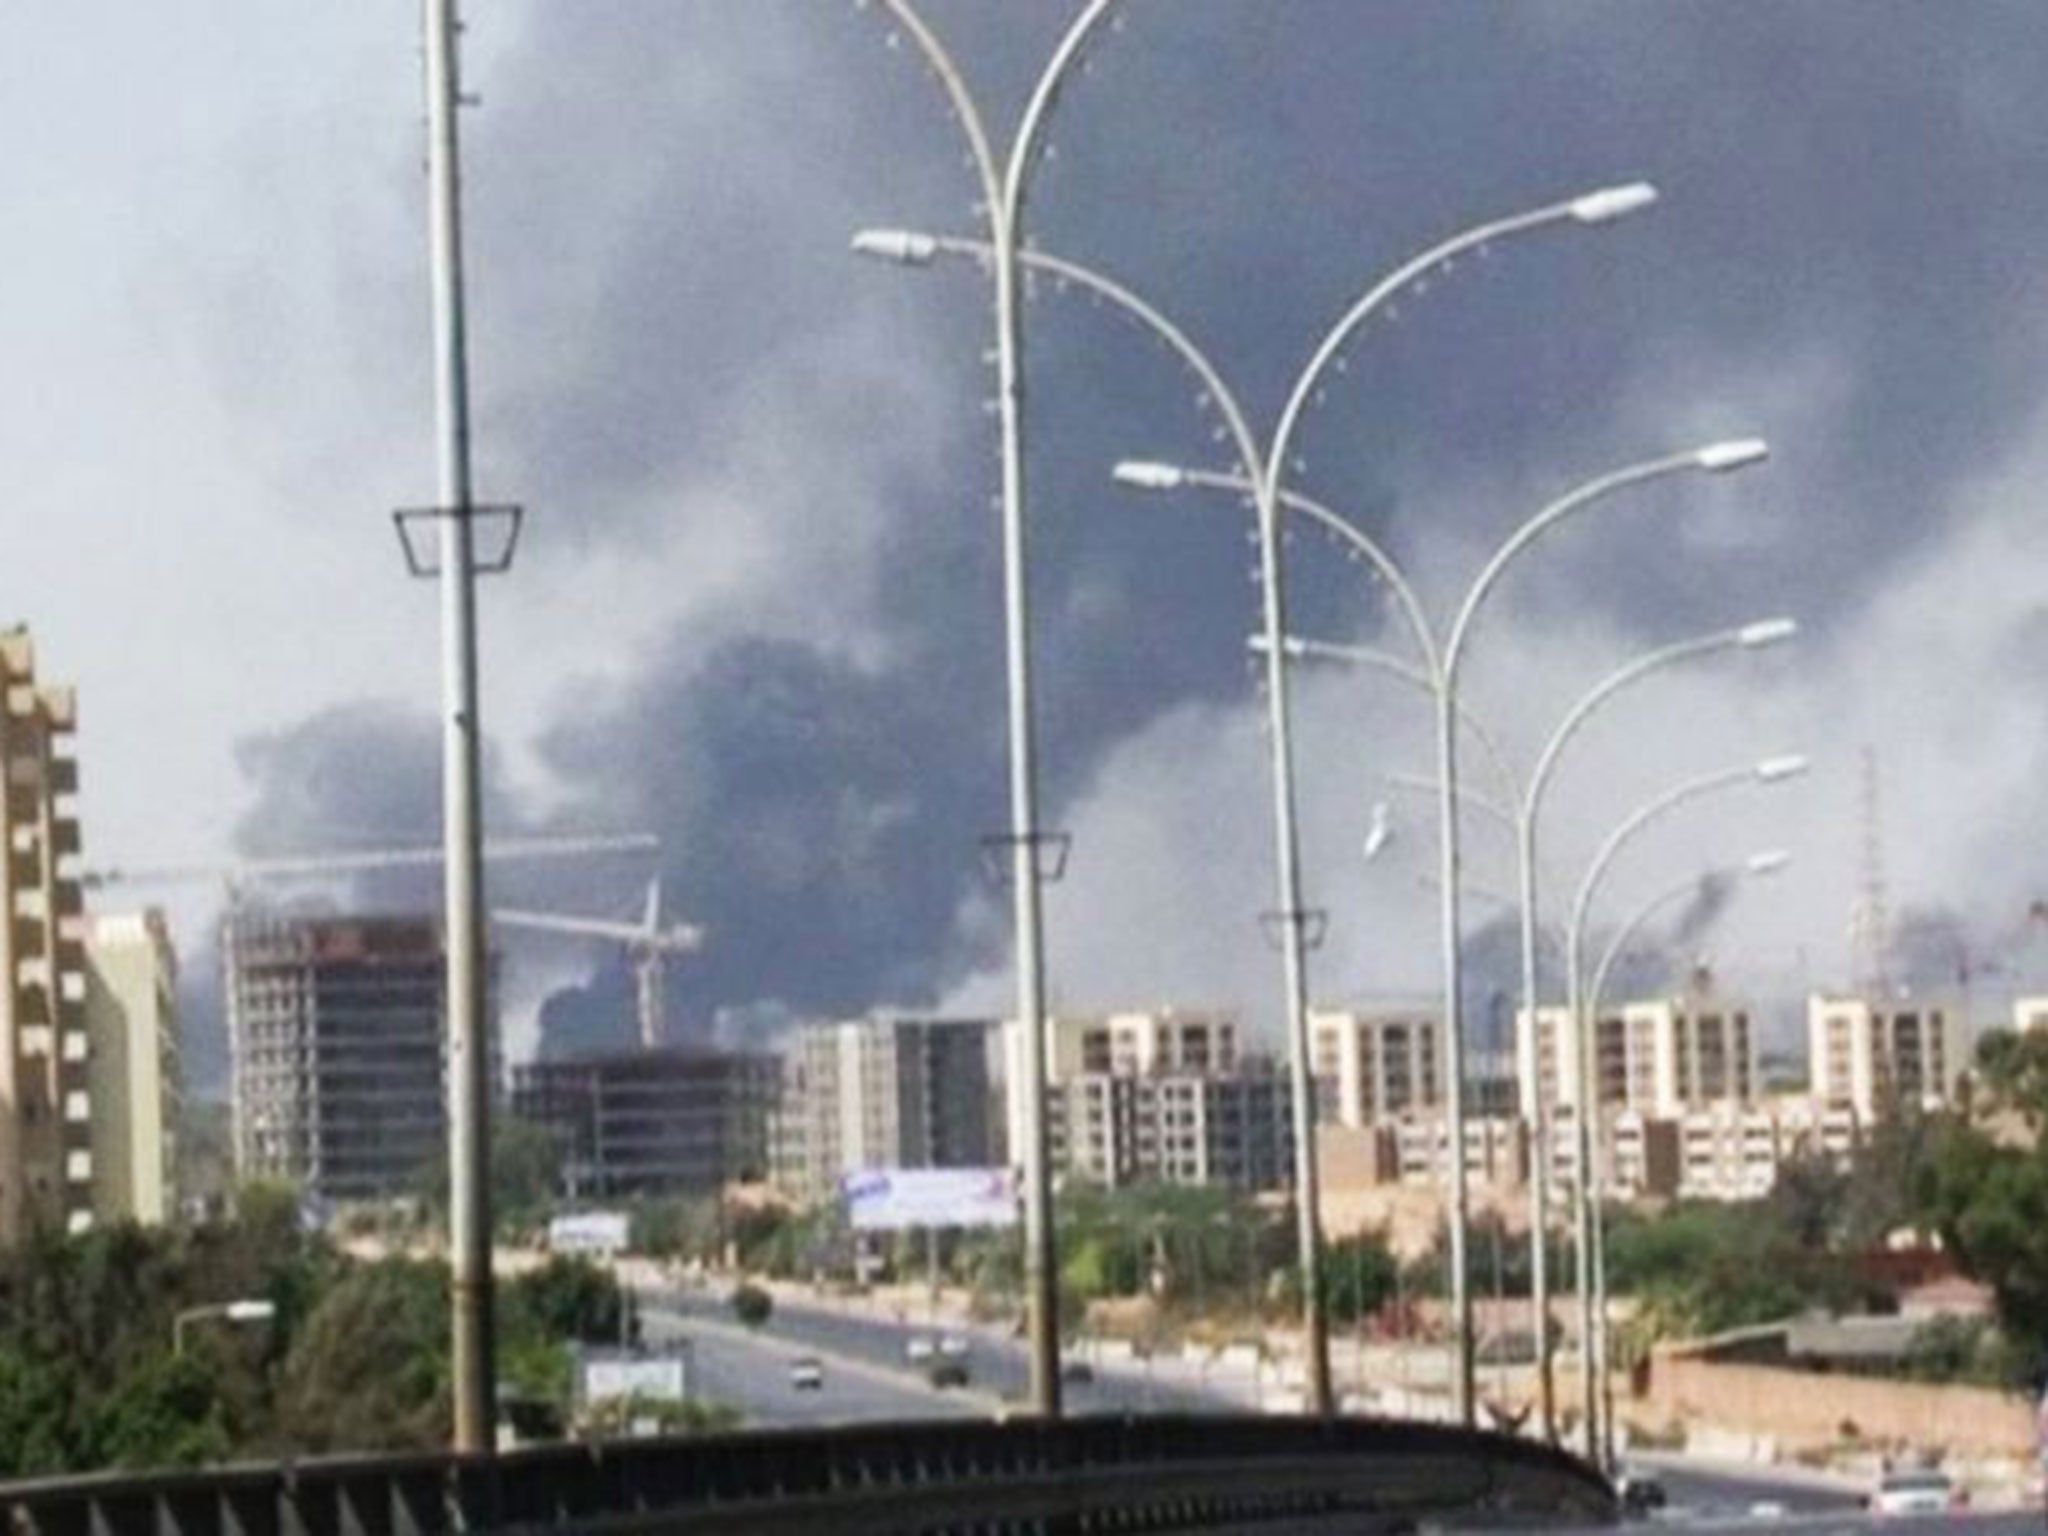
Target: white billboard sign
[(603, 1233), (896, 1199), (656, 1378)]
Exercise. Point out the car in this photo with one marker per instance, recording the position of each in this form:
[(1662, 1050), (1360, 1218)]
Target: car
[(1077, 1373), (807, 1373), (1916, 1491), (918, 1347), (952, 1346), (943, 1373), (1640, 1494)]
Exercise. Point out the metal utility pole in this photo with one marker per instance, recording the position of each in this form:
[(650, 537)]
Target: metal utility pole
[(469, 1202)]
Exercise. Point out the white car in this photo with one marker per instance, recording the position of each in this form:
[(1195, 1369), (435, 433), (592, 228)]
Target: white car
[(807, 1374), (918, 1348), (1918, 1491), (952, 1346)]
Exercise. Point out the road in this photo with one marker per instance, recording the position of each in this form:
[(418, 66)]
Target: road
[(1703, 1500), (751, 1374), (867, 1376), (999, 1366)]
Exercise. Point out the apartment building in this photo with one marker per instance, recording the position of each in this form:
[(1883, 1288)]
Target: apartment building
[(46, 1108), (1878, 1055), (1163, 1095), (1736, 1151), (643, 1122), (131, 1024), (1373, 1067), (1641, 1156), (1174, 1127), (1658, 1057), (1496, 1151), (335, 1028), (890, 1091)]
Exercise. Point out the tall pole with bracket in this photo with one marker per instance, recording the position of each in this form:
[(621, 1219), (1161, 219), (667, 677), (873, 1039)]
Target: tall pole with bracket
[(452, 560)]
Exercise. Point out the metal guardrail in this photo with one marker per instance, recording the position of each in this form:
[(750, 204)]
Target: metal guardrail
[(1153, 1474)]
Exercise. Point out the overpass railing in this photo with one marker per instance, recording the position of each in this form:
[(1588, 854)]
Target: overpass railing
[(1155, 1474)]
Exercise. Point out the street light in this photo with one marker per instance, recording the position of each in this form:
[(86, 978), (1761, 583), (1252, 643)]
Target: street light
[(1757, 866), (251, 1310), (1003, 184), (1440, 668), (1265, 469), (1522, 820), (1770, 770)]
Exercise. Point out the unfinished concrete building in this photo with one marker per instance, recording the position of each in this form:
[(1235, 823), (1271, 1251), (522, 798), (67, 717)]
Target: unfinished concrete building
[(336, 1030)]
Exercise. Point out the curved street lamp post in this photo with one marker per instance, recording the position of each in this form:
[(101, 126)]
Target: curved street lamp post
[(1520, 816), (1592, 1342), (1264, 471), (1441, 663), (1003, 186), (1756, 866)]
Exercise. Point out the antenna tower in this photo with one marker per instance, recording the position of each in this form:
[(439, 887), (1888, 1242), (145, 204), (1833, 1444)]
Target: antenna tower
[(1870, 918)]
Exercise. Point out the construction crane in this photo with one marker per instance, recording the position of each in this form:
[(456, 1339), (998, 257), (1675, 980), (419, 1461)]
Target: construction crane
[(319, 866), (648, 945)]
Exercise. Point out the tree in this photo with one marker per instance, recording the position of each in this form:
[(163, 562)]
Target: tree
[(1990, 1204), (566, 1298), (1359, 1276), (1703, 1268), (369, 1371), (752, 1305), (167, 1413)]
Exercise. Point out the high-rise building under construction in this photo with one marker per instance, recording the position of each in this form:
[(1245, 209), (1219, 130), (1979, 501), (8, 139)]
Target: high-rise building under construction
[(336, 1030)]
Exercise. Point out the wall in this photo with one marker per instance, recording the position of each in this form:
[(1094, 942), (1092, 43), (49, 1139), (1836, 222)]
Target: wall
[(1806, 1408)]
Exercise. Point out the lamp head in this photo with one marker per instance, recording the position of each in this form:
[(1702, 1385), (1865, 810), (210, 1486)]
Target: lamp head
[(905, 247), (1380, 832), (1611, 203), (1767, 863), (1772, 769), (1766, 632), (251, 1311), (1733, 454), (1143, 475)]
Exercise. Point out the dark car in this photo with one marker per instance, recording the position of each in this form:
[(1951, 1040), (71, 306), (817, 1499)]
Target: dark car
[(1077, 1373), (946, 1372), (1640, 1494)]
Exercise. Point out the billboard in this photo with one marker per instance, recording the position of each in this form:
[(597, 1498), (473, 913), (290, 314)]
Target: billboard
[(601, 1234), (896, 1199), (655, 1376)]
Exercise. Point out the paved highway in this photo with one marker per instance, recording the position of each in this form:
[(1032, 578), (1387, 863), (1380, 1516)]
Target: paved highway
[(998, 1365), (751, 1373), (867, 1376)]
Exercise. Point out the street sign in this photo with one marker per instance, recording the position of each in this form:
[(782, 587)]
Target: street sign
[(900, 1199)]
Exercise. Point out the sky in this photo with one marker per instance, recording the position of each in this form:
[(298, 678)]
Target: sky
[(757, 606)]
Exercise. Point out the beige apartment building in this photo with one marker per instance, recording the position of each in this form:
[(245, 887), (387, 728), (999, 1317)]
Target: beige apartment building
[(888, 1091), (46, 1110), (1877, 1055), (1736, 1151), (1657, 1057), (1373, 1067), (131, 1022), (1165, 1095)]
